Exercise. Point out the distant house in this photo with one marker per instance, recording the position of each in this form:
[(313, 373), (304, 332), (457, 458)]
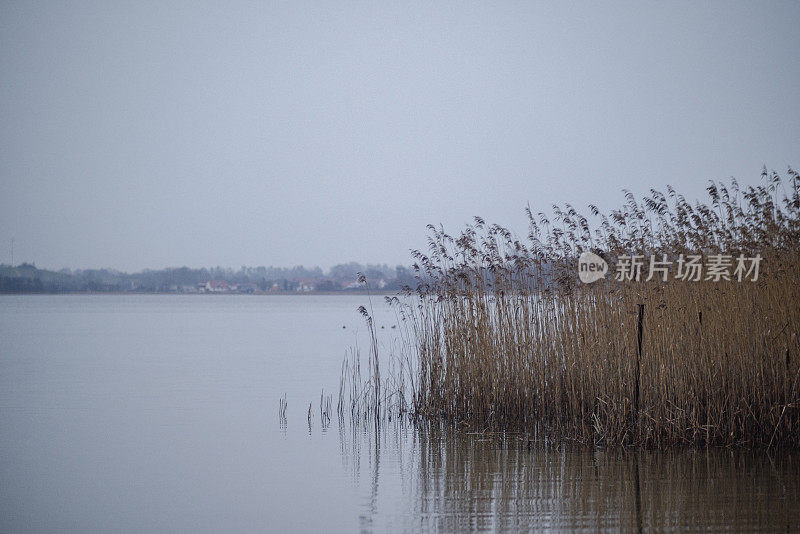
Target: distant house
[(216, 286), (305, 286), (358, 285)]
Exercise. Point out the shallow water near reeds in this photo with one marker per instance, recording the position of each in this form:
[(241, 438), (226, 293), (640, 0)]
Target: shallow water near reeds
[(160, 413)]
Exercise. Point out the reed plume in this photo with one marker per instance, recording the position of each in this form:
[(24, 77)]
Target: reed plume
[(505, 336)]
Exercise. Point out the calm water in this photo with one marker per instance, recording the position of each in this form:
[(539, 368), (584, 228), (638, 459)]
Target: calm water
[(159, 414)]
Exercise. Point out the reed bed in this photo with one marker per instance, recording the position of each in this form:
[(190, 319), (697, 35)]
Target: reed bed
[(503, 335)]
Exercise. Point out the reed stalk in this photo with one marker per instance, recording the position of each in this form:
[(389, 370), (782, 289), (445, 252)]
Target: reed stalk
[(505, 336)]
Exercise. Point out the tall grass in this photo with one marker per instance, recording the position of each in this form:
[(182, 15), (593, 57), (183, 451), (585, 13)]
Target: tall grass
[(373, 397), (505, 336)]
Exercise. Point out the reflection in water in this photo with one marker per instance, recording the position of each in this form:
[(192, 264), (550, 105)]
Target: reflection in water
[(437, 479)]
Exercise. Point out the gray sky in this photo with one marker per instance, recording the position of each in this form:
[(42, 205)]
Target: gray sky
[(153, 134)]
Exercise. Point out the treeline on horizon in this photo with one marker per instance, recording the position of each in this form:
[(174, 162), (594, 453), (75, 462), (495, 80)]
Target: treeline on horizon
[(27, 278)]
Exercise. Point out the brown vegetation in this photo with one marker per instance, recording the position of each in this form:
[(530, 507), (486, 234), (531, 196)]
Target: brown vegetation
[(504, 336)]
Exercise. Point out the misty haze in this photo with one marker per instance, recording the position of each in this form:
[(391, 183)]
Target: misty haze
[(447, 267)]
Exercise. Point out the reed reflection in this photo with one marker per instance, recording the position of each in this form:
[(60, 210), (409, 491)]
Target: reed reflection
[(436, 479)]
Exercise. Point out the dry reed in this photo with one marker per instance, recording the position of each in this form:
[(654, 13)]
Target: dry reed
[(504, 336)]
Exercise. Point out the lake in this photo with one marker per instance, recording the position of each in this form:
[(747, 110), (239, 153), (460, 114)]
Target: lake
[(159, 413)]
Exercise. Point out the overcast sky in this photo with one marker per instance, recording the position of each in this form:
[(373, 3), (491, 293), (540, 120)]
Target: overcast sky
[(151, 134)]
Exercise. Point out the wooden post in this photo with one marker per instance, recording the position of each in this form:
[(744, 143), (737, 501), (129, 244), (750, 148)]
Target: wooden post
[(638, 364), (638, 491)]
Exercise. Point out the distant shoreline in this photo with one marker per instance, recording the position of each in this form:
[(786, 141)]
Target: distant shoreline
[(26, 278), (187, 294)]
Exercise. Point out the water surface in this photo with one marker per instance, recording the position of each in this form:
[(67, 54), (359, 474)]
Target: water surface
[(159, 414)]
